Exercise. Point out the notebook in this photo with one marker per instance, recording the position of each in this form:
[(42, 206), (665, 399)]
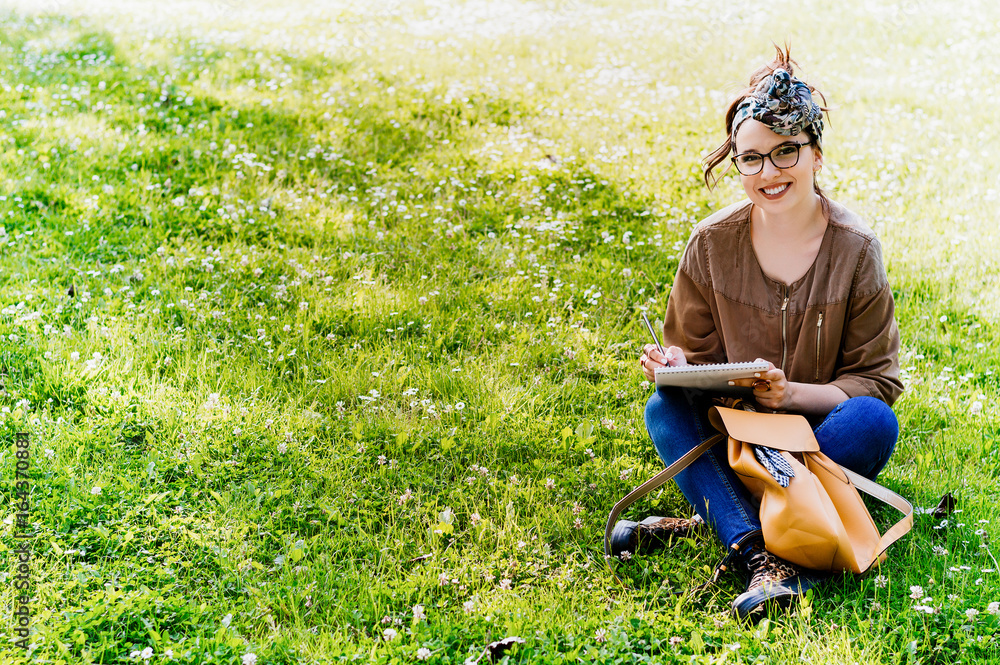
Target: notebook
[(708, 377)]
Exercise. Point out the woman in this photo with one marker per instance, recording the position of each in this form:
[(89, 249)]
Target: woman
[(792, 278)]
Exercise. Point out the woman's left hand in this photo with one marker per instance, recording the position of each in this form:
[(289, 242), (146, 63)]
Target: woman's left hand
[(770, 388)]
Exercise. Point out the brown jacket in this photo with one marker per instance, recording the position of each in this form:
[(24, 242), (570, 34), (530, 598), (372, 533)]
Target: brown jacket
[(833, 325)]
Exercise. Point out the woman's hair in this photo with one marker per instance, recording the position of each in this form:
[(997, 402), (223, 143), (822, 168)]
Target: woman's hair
[(782, 60)]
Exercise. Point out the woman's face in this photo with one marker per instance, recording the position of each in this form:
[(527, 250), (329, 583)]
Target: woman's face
[(777, 190)]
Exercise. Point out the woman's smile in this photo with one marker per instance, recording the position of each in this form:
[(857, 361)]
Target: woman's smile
[(774, 192)]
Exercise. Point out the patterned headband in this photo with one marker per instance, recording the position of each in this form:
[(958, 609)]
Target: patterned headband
[(784, 104)]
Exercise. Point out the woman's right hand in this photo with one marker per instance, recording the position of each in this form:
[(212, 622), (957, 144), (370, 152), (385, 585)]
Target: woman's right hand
[(651, 358)]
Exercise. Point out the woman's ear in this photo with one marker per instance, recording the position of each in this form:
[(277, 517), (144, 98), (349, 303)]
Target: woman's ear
[(817, 160)]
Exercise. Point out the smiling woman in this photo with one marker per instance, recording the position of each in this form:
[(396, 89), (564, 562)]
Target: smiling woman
[(789, 277)]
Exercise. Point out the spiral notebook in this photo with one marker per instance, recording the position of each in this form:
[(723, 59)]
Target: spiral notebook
[(708, 377)]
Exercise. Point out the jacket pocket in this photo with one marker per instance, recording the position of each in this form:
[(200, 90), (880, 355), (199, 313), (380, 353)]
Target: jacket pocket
[(819, 343)]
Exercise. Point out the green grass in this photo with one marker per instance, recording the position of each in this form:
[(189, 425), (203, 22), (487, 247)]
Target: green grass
[(315, 314)]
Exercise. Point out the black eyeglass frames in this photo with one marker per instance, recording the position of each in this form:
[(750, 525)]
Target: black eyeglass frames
[(784, 156)]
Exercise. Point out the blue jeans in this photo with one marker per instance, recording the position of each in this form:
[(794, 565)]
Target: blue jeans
[(859, 434)]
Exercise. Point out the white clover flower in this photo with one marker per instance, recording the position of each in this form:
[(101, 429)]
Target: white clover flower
[(916, 592), (249, 659), (389, 634), (601, 636), (423, 653), (993, 608), (211, 402), (971, 613), (418, 613), (96, 490)]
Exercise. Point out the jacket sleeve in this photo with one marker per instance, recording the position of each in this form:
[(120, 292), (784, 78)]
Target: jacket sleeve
[(869, 353), (691, 321)]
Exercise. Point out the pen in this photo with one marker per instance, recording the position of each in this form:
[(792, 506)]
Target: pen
[(652, 332)]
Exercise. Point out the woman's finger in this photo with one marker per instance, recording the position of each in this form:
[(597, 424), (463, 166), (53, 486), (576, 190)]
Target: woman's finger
[(657, 357)]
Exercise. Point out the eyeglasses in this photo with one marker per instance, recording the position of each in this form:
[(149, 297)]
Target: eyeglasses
[(784, 156)]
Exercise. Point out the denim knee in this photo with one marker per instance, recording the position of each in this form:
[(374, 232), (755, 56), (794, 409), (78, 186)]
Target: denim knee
[(671, 423), (882, 425), (861, 434)]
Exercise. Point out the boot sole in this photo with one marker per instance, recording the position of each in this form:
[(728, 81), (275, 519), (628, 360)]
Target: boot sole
[(752, 606), (624, 538)]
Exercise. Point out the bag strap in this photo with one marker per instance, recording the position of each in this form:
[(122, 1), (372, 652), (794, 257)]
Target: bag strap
[(652, 484), (885, 495)]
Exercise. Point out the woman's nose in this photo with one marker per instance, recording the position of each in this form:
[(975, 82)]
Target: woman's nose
[(770, 170)]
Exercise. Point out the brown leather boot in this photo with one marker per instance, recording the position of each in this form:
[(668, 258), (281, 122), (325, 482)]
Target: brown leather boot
[(771, 582), (630, 538)]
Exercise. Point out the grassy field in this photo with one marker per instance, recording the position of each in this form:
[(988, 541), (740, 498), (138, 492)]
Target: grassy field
[(323, 321)]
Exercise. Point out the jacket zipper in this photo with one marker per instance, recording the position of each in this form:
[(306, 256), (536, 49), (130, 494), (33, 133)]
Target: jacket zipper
[(819, 329), (784, 316)]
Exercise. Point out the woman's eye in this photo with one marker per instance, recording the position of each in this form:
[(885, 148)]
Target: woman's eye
[(785, 151), (750, 160)]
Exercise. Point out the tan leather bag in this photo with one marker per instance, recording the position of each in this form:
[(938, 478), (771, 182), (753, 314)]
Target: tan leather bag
[(819, 520)]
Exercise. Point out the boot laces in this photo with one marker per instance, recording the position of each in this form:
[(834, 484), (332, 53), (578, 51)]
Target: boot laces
[(675, 525), (765, 568)]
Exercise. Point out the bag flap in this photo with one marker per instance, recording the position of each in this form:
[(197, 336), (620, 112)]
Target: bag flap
[(781, 431)]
